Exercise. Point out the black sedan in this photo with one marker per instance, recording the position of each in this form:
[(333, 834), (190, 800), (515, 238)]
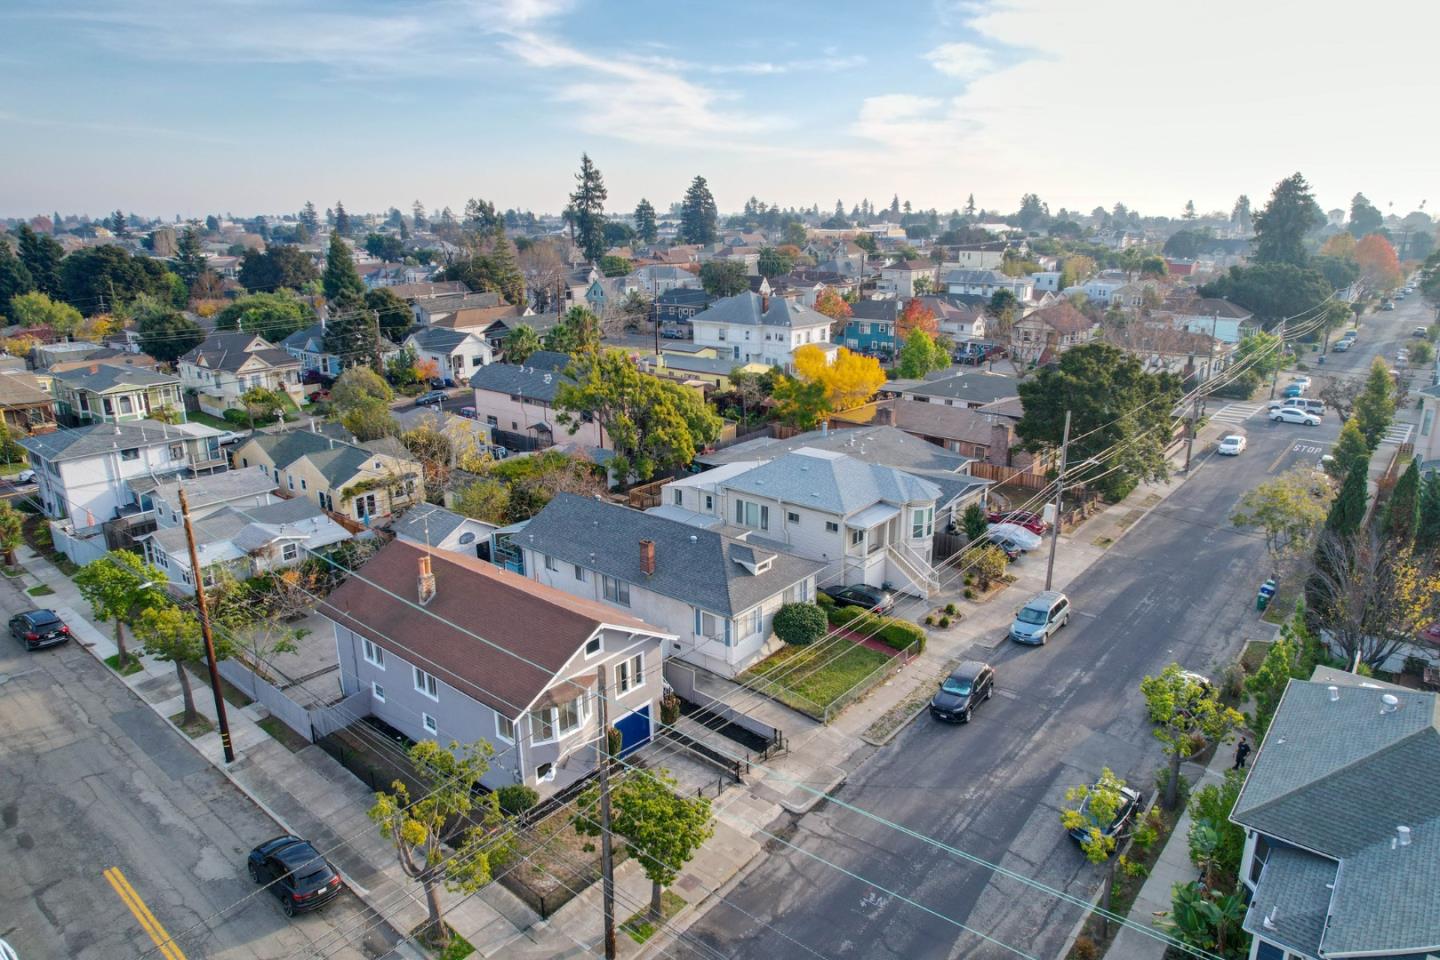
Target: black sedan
[(969, 684), (295, 873), (1130, 802), (38, 629), (879, 601), (431, 398)]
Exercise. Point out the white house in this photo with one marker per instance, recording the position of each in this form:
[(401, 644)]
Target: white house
[(1211, 315), (455, 353), (751, 328), (432, 526), (226, 365), (901, 278), (974, 256), (985, 283)]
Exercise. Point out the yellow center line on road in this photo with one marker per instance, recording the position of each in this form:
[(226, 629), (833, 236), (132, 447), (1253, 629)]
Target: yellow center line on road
[(168, 947)]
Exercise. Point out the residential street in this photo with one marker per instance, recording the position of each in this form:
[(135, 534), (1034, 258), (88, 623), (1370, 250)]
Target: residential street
[(94, 780), (1179, 587)]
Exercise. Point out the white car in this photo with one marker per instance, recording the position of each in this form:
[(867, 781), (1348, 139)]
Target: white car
[(1021, 537), (230, 436), (24, 476), (1302, 382), (1231, 446), (1294, 415)]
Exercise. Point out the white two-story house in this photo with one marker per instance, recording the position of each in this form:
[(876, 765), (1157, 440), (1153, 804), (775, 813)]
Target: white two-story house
[(986, 283), (226, 365), (717, 594), (751, 328)]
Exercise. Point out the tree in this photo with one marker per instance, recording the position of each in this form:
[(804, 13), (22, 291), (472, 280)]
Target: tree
[(308, 217), (1154, 267), (1261, 353), (653, 424), (1349, 449), (1286, 512), (832, 305), (1375, 406), (1209, 921), (1292, 656), (1373, 597), (1092, 808), (645, 227), (36, 309), (1114, 403), (357, 387), (418, 826), (520, 343), (916, 316), (1427, 535), (1189, 213), (263, 405), (1281, 227), (987, 561), (1364, 218), (41, 255), (724, 278), (189, 256), (698, 216), (799, 403), (799, 624), (662, 829), (15, 277), (1339, 247), (867, 243), (280, 266), (773, 262), (273, 316), (385, 247), (588, 205), (98, 279), (1240, 216), (12, 532), (849, 381), (492, 266), (1187, 714), (392, 312), (342, 220), (975, 522), (615, 266), (578, 332), (172, 635), (1271, 290), (1378, 263), (116, 586), (1217, 845), (919, 355), (485, 500), (1347, 512), (165, 333), (1402, 512), (342, 284)]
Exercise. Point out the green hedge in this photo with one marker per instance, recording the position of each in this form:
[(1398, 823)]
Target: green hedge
[(893, 632)]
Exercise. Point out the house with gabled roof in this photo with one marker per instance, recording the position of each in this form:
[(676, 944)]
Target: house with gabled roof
[(26, 407), (226, 365), (456, 354), (1050, 331), (717, 594), (447, 647), (752, 328), (906, 278), (108, 393), (517, 401), (433, 526)]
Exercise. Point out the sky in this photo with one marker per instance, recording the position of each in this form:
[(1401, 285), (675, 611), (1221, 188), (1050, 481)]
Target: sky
[(255, 106)]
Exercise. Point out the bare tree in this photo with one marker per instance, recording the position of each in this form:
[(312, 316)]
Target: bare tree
[(1372, 597)]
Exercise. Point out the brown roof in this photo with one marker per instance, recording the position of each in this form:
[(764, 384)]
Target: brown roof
[(439, 288), (1062, 317), (21, 390), (948, 423), (472, 317), (533, 630), (1210, 307)]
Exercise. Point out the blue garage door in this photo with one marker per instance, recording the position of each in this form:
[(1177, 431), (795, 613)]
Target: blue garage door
[(634, 730)]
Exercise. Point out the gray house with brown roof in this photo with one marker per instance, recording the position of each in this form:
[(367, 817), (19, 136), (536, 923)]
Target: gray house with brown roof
[(448, 647)]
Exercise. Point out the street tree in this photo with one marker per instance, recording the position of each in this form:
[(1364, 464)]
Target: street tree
[(1260, 353), (645, 227), (12, 532), (172, 635), (1427, 535), (723, 278), (850, 380), (662, 829), (1347, 511), (1372, 597), (520, 343), (1280, 228), (919, 355), (1349, 449), (1292, 656), (1287, 512), (1379, 265), (587, 206), (1339, 393), (429, 831), (1117, 408), (1187, 715), (1091, 808), (799, 403), (987, 562), (165, 333), (1402, 511), (1375, 406), (273, 316), (117, 586)]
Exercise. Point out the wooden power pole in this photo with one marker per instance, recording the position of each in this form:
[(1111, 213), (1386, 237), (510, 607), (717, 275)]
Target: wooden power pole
[(199, 577)]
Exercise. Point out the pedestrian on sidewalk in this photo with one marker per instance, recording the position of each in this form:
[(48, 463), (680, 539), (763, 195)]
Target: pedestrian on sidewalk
[(1242, 750)]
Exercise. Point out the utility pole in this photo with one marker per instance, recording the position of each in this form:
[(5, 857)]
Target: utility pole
[(1279, 361), (607, 862), (199, 576), (1059, 495)]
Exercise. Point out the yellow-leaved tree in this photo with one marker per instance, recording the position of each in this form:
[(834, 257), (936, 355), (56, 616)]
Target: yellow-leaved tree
[(850, 381)]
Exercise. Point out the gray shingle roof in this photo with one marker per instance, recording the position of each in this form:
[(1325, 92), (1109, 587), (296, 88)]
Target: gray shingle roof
[(104, 377), (696, 566), (228, 351), (428, 523), (1337, 778), (337, 461), (746, 308), (312, 339), (439, 339), (535, 383), (1293, 887), (976, 277), (100, 438), (978, 386), (833, 482)]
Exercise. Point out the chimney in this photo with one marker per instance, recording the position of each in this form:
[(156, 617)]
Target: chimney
[(647, 557), (94, 368), (1334, 693), (998, 453), (764, 303), (426, 580), (1402, 836)]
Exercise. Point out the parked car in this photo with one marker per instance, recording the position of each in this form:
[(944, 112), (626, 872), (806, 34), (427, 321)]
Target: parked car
[(1030, 521), (499, 452), (431, 397), (1231, 446), (1294, 390), (1302, 382), (296, 873), (319, 396), (232, 436), (1295, 415), (1420, 332), (1130, 803), (1037, 621), (969, 684), (469, 413), (672, 333), (1023, 538), (28, 476), (1309, 404), (439, 383), (1010, 547), (38, 629), (1342, 346), (1349, 334), (1387, 305), (860, 595)]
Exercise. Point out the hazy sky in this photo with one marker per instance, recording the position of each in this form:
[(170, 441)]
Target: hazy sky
[(258, 105)]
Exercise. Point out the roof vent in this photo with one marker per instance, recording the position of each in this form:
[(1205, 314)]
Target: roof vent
[(694, 539), (1334, 692), (1402, 837), (1389, 703), (1269, 922)]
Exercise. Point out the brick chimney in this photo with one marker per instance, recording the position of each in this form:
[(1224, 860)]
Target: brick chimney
[(764, 304), (647, 557), (999, 450), (426, 580)]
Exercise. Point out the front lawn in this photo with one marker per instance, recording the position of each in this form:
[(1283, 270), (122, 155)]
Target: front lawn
[(811, 678), (218, 423)]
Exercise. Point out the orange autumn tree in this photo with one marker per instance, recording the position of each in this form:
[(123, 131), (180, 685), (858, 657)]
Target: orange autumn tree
[(850, 381), (915, 316), (1378, 262)]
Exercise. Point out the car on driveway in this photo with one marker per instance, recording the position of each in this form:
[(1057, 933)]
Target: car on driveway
[(431, 397), (38, 629), (1295, 415), (296, 873), (1024, 539), (23, 477), (871, 598), (1036, 622), (1231, 446), (1030, 521), (1010, 547), (1130, 803), (969, 684)]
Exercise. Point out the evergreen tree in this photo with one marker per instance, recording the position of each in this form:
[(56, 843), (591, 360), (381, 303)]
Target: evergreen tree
[(189, 257), (1375, 407), (699, 220), (1402, 513), (588, 203), (1347, 513), (645, 227), (1281, 227), (1240, 216), (1428, 533), (417, 215), (970, 206), (41, 255), (341, 280), (55, 227), (1189, 213), (15, 278), (309, 217), (1349, 449), (895, 204), (342, 220)]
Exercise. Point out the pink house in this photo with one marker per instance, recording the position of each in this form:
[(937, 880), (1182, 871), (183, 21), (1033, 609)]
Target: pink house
[(517, 401)]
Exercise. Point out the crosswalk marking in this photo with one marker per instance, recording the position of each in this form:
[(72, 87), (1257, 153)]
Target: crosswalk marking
[(1236, 412), (1398, 433)]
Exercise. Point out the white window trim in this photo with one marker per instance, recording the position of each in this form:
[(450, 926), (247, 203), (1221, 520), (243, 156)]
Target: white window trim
[(599, 647), (377, 690), (420, 687), (499, 731), (430, 724), (372, 653), (630, 686)]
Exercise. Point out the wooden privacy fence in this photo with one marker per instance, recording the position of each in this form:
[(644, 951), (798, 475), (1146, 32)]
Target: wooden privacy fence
[(1010, 476)]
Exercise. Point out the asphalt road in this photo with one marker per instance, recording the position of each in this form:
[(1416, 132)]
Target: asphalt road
[(92, 779), (1179, 587)]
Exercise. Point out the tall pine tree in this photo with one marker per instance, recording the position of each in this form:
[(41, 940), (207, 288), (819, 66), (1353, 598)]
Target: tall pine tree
[(1281, 227), (309, 218), (352, 331), (342, 220), (588, 204), (1375, 407), (1347, 513), (1427, 536), (41, 255), (645, 227), (1402, 512), (699, 220)]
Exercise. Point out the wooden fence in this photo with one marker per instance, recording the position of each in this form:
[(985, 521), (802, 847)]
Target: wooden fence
[(1010, 476)]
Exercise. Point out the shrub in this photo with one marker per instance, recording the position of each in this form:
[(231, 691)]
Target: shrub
[(614, 741), (969, 593), (843, 616), (824, 600), (799, 624), (900, 634), (1085, 948), (929, 620), (951, 609), (944, 621), (516, 798), (1232, 682), (238, 417), (669, 708)]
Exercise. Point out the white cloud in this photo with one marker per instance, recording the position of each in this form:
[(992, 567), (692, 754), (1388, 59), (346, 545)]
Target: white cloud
[(965, 61)]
